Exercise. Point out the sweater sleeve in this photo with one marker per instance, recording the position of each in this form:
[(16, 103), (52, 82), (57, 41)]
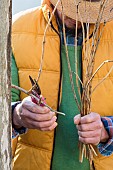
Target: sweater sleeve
[(15, 94)]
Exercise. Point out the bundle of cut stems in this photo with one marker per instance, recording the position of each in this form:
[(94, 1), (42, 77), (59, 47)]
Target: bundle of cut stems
[(89, 51), (89, 61)]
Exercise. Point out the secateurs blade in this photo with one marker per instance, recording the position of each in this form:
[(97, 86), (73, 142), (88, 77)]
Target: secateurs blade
[(36, 91)]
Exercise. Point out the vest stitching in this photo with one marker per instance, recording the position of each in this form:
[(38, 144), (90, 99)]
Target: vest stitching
[(35, 147)]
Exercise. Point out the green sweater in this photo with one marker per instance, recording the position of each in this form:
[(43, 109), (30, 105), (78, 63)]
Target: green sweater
[(14, 75), (66, 151)]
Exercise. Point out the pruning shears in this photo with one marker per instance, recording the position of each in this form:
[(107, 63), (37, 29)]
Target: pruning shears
[(36, 91)]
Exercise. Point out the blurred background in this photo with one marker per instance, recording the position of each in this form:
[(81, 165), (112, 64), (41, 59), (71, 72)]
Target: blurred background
[(20, 5)]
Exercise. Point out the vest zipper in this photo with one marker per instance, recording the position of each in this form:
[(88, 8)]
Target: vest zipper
[(58, 102)]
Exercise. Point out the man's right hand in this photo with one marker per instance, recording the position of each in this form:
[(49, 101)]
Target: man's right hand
[(30, 115)]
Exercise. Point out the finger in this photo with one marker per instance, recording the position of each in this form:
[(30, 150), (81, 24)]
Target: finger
[(93, 141), (77, 119), (90, 134), (104, 134), (90, 126), (29, 105), (52, 127), (92, 117), (36, 116), (40, 125)]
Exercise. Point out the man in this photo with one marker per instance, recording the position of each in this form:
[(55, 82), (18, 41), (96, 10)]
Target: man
[(39, 148)]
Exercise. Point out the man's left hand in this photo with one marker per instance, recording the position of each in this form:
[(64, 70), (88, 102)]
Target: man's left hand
[(91, 129)]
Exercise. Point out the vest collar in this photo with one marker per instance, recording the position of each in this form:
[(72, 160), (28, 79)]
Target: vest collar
[(47, 10)]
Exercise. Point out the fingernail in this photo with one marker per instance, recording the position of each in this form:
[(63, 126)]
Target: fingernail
[(56, 124), (54, 118), (75, 120), (53, 113)]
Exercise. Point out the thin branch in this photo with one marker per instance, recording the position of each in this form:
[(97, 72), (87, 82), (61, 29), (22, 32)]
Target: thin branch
[(91, 64), (69, 66), (44, 37), (37, 99), (95, 32), (78, 79), (98, 70), (43, 44), (82, 150), (103, 79), (76, 50), (85, 51), (93, 150)]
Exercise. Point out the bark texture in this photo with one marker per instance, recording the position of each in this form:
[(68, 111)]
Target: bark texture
[(5, 99)]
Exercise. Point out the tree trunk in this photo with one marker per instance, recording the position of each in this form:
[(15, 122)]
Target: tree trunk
[(5, 99)]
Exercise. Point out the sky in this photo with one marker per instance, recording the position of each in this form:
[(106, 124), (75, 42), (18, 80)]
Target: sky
[(20, 5)]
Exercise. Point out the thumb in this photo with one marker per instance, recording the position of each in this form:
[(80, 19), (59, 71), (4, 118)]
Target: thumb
[(77, 119)]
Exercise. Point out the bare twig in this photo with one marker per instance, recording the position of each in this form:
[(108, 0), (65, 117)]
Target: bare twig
[(82, 150), (69, 66), (44, 37), (103, 79), (78, 79), (43, 43), (107, 61), (76, 50), (36, 98)]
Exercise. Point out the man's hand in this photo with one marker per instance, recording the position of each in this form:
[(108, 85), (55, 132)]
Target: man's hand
[(91, 129), (32, 116)]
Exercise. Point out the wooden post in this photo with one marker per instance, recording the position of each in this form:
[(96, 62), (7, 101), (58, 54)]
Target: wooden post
[(5, 99)]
